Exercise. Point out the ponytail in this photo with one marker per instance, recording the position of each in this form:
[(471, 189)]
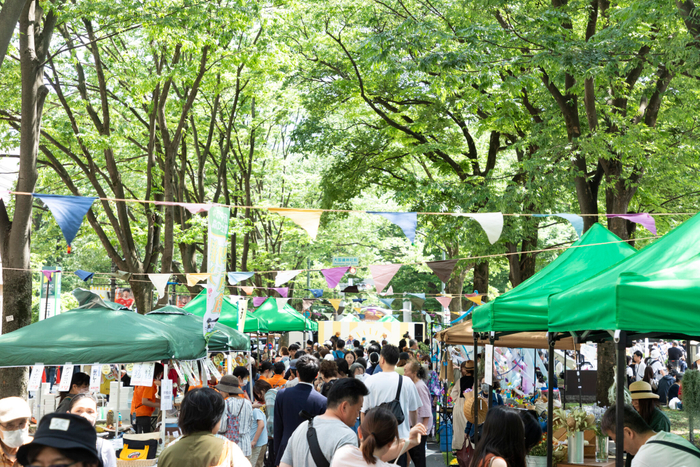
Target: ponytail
[(378, 428), (369, 444)]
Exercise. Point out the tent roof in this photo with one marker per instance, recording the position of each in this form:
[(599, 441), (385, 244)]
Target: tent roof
[(462, 334), (287, 319), (640, 293), (86, 336), (224, 338), (526, 308), (388, 319), (349, 319), (229, 314)]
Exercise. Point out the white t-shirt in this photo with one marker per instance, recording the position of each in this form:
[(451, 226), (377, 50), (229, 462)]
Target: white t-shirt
[(332, 434), (382, 388), (351, 456), (654, 454)]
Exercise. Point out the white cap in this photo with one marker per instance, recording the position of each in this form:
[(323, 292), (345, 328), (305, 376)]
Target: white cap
[(12, 408)]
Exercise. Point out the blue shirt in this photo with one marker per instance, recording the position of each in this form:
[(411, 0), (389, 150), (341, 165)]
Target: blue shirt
[(262, 440)]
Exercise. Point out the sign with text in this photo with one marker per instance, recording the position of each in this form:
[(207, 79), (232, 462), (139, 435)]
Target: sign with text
[(95, 377), (35, 377), (216, 261), (166, 394), (142, 374), (346, 261), (488, 365), (66, 376)]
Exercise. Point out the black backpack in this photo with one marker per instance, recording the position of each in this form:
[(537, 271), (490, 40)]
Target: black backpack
[(395, 406)]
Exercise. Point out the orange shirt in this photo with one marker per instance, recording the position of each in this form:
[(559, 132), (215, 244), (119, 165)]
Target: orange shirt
[(277, 381), (137, 406)]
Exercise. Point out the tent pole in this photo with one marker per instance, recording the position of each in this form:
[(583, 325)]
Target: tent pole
[(250, 377), (621, 341), (550, 400), (578, 371), (534, 372), (476, 390), (491, 341)]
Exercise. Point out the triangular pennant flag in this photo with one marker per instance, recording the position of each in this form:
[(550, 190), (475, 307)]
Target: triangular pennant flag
[(389, 291), (284, 291), (351, 289), (123, 275), (408, 221), (48, 274), (576, 220), (306, 303), (335, 302), (197, 277), (160, 281), (68, 211), (236, 277), (443, 269), (333, 275), (257, 301), (307, 219), (387, 301), (317, 293), (474, 298), (84, 275), (196, 208), (444, 301), (491, 222), (281, 302), (382, 274), (641, 218), (358, 309), (247, 289), (418, 302), (359, 300), (419, 295), (285, 276)]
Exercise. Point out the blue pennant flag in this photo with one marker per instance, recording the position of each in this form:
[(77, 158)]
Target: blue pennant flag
[(387, 301), (317, 293), (408, 221), (68, 211), (576, 220), (419, 295), (359, 300), (236, 277), (84, 275)]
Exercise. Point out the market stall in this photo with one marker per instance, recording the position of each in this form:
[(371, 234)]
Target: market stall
[(283, 320), (229, 314)]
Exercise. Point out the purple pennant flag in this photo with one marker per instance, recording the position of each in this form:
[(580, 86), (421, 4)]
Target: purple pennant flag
[(284, 291), (48, 274), (642, 218), (257, 301), (333, 275)]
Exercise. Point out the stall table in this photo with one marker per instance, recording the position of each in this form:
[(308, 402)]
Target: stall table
[(590, 461)]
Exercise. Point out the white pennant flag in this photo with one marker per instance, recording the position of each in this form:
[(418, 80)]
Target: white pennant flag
[(285, 276), (281, 302), (491, 222), (160, 281)]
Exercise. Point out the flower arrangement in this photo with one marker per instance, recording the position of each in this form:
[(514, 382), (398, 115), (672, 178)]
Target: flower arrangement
[(598, 413), (558, 452), (573, 420)]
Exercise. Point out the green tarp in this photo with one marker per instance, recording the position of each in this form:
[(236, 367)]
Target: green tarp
[(284, 320), (350, 319), (655, 290), (223, 339), (388, 319), (229, 314), (525, 307), (86, 336)]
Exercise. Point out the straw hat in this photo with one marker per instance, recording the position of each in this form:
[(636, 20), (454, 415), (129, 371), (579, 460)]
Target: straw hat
[(470, 405), (469, 365), (642, 390)]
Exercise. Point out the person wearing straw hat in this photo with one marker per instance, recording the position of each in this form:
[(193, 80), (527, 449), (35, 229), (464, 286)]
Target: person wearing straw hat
[(645, 402), (459, 423)]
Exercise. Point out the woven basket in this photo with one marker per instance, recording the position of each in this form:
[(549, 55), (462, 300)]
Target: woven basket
[(137, 463)]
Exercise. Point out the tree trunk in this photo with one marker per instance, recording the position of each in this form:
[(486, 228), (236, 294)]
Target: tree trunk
[(9, 15), (15, 235), (481, 277), (142, 294), (605, 379)]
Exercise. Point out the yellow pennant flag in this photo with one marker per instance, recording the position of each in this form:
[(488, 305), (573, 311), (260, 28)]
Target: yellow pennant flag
[(476, 299), (307, 219), (195, 278), (335, 302), (358, 309)]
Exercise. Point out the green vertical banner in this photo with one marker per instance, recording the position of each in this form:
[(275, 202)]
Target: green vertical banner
[(216, 261)]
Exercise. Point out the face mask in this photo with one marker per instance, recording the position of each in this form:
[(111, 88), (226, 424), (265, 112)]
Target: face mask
[(14, 439), (245, 381)]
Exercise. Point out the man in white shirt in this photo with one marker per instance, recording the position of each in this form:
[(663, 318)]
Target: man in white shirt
[(383, 387), (651, 449), (638, 366)]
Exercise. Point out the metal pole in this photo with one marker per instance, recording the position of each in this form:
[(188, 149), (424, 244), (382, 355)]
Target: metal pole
[(621, 341), (492, 338), (250, 378), (476, 390), (550, 400), (578, 372), (534, 372), (46, 308)]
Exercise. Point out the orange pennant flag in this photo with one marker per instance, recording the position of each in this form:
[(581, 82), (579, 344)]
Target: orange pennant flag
[(248, 290), (476, 299)]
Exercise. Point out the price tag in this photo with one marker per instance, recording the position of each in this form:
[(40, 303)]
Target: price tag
[(142, 374), (66, 377), (488, 365), (166, 394), (206, 371), (213, 370), (95, 377), (35, 377), (118, 443), (178, 370)]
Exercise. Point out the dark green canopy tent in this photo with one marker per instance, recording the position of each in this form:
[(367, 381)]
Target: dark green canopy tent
[(229, 314), (86, 336), (284, 320), (222, 339), (657, 290), (525, 307)]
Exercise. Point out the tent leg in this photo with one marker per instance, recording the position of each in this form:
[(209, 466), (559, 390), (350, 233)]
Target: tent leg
[(250, 377), (620, 400), (550, 401), (476, 389), (491, 341), (563, 399), (578, 372)]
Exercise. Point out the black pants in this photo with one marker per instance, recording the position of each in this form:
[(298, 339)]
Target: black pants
[(418, 453), (271, 453), (143, 425)]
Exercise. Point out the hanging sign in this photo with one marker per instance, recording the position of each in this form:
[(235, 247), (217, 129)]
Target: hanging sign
[(95, 377), (488, 364), (142, 374), (242, 310), (216, 261), (66, 377), (166, 394), (213, 370), (35, 377)]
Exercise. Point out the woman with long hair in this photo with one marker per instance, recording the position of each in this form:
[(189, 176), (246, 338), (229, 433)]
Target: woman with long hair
[(648, 375), (350, 357), (502, 442), (328, 375), (378, 435), (458, 419)]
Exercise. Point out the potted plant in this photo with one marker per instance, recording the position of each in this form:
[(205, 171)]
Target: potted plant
[(601, 439), (574, 422), (537, 457)]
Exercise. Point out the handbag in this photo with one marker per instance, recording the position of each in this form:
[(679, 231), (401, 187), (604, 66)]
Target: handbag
[(464, 455), (395, 406)]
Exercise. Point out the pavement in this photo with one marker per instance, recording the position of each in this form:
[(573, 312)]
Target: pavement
[(434, 458)]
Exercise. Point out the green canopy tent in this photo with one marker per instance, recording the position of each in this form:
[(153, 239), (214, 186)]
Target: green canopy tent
[(89, 299), (641, 293), (223, 338), (229, 314), (388, 319), (525, 307), (284, 320), (86, 336), (350, 319)]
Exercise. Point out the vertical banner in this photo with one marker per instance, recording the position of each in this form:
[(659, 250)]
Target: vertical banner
[(242, 310), (216, 261), (166, 394), (95, 377), (50, 295), (488, 365)]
